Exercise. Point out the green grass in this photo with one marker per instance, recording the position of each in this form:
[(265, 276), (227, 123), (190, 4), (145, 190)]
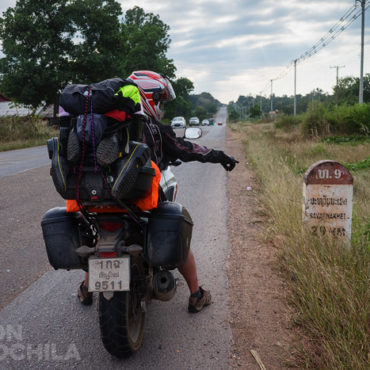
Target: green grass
[(351, 139), (329, 283), (361, 165)]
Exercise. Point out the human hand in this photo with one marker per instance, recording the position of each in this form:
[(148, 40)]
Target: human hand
[(228, 162)]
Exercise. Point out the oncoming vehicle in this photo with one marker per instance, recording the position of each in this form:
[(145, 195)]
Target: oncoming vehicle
[(205, 122), (194, 121), (178, 122), (220, 123)]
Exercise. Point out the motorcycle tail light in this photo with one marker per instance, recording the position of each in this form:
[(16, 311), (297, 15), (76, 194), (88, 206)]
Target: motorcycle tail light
[(108, 254), (110, 226)]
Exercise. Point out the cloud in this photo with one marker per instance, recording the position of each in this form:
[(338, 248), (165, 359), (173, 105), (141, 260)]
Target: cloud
[(233, 47)]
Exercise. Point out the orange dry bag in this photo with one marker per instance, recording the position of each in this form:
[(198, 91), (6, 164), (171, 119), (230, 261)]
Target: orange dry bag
[(147, 203)]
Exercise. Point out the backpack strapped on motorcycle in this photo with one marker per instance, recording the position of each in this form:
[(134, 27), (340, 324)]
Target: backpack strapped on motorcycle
[(94, 159), (104, 97)]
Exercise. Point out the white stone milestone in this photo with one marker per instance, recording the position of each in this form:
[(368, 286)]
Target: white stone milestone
[(327, 200)]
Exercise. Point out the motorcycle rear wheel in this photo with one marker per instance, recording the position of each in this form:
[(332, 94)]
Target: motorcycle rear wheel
[(122, 319)]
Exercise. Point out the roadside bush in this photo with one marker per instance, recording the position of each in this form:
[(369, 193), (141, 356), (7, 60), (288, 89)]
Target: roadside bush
[(346, 120), (358, 122), (314, 123), (337, 118), (349, 120), (288, 123)]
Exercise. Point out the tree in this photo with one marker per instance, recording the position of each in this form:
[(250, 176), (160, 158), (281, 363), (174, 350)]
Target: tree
[(181, 106), (201, 112), (49, 43), (100, 54), (207, 102), (233, 115), (183, 87), (255, 111), (146, 41), (347, 90)]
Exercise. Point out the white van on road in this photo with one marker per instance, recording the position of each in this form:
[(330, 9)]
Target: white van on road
[(178, 122)]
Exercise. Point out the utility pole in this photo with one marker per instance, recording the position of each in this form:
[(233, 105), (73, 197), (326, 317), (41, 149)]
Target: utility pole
[(361, 90), (261, 101), (271, 97), (337, 68), (337, 81), (295, 87)]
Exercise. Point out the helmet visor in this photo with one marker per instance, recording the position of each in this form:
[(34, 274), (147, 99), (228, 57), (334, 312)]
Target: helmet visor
[(169, 93)]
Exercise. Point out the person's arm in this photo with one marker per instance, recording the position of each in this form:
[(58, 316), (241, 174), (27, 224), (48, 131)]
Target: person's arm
[(186, 151)]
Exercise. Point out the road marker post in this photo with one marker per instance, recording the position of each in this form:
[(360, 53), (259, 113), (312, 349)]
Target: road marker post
[(327, 200)]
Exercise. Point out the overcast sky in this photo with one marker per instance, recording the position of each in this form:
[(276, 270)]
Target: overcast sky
[(235, 47)]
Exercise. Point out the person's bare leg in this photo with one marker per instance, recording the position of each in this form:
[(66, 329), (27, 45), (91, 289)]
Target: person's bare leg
[(189, 271), (86, 281), (83, 294)]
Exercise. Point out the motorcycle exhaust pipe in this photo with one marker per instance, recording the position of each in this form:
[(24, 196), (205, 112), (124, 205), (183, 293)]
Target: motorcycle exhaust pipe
[(164, 285)]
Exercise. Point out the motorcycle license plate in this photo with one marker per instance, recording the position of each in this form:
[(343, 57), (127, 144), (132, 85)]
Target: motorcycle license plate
[(109, 274)]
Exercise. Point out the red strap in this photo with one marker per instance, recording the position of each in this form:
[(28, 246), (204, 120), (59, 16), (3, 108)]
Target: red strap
[(118, 115)]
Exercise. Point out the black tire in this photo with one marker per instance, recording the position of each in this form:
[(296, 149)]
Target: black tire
[(122, 321)]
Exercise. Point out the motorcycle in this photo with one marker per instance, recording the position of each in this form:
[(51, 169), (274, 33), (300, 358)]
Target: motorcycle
[(129, 257)]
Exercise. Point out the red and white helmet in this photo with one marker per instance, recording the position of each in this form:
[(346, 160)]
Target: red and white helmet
[(154, 89)]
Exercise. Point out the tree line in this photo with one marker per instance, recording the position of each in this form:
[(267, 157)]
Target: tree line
[(345, 93), (50, 43)]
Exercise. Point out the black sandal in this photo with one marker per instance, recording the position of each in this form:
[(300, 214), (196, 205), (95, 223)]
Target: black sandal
[(84, 295)]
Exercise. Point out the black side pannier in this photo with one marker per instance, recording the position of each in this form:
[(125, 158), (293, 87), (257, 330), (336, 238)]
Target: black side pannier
[(102, 98), (62, 237), (169, 235)]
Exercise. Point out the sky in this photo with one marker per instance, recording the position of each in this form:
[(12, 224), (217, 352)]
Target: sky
[(236, 47)]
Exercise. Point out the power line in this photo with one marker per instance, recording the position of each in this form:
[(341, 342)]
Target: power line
[(344, 22)]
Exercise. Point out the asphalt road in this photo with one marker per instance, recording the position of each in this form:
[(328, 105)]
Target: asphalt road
[(17, 161), (42, 324)]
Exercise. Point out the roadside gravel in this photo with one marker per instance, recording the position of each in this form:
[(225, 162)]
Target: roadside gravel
[(260, 318)]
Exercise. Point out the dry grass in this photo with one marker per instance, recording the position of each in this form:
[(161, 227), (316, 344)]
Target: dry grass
[(24, 132), (329, 283)]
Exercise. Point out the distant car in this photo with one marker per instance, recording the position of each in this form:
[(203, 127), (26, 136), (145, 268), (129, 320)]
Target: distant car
[(178, 122), (194, 121), (219, 123), (211, 121), (205, 122)]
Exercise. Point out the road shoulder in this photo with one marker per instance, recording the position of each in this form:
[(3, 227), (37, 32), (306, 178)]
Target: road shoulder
[(260, 318)]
